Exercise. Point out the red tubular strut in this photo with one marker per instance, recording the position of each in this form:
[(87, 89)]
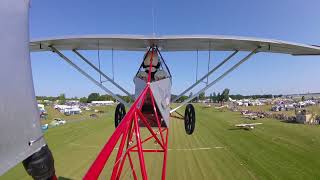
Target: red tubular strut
[(98, 165), (128, 130)]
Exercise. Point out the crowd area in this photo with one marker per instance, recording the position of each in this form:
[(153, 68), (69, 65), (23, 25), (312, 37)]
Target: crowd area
[(295, 110), (55, 113)]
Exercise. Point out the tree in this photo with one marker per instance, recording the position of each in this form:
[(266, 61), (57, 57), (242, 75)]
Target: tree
[(225, 94), (218, 97), (83, 100), (107, 97), (182, 98), (202, 96), (190, 95), (62, 98), (303, 98), (211, 98), (125, 98), (214, 97), (93, 97)]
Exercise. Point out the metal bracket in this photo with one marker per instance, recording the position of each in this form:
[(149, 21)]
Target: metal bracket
[(31, 142)]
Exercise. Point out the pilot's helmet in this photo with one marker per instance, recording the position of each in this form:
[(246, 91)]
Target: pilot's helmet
[(147, 59), (143, 75)]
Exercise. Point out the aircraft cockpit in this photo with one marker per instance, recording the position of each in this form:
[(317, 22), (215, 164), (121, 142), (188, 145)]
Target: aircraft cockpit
[(159, 69), (160, 84)]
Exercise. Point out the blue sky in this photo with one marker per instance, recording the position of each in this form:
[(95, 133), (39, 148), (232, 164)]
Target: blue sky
[(290, 20)]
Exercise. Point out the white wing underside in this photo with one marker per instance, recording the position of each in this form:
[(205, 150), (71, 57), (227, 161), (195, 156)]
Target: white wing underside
[(173, 43)]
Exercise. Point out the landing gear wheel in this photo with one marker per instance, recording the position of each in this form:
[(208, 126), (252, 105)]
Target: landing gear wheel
[(189, 119), (119, 114)]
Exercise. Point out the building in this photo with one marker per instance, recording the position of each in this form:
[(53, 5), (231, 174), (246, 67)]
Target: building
[(102, 103), (68, 110), (72, 110)]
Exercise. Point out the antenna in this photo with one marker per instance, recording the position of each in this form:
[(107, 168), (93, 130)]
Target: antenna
[(153, 19), (99, 61)]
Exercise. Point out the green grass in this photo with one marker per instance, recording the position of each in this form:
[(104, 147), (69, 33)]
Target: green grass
[(274, 150)]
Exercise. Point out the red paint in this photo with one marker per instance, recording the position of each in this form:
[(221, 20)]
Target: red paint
[(128, 130), (54, 177)]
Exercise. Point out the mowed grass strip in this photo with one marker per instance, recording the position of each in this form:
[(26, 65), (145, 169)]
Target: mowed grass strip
[(216, 150)]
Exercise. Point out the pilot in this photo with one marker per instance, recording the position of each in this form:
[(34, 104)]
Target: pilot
[(156, 73), (143, 75)]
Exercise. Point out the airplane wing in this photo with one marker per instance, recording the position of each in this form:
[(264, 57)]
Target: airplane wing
[(241, 125), (247, 125), (173, 43), (254, 124)]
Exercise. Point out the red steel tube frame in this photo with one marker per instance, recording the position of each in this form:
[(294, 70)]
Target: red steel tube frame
[(128, 128), (98, 165)]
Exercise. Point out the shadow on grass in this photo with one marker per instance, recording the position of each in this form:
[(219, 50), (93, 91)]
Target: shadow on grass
[(63, 178), (291, 122), (235, 129)]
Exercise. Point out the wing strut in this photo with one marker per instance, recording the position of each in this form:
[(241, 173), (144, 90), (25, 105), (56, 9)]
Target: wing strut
[(205, 76), (88, 76), (209, 60), (218, 79), (101, 73)]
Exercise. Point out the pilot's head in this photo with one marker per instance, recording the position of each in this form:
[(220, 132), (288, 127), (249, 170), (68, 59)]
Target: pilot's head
[(155, 62)]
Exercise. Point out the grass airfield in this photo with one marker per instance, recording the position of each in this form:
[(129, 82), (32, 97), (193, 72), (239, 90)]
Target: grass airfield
[(216, 150)]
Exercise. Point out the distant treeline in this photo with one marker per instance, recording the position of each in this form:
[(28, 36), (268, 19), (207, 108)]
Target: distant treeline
[(104, 97), (61, 98), (92, 97), (213, 97)]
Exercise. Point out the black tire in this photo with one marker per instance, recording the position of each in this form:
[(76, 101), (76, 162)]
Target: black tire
[(189, 119), (119, 114)]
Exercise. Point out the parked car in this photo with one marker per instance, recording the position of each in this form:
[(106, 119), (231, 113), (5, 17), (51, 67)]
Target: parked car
[(44, 127), (57, 122)]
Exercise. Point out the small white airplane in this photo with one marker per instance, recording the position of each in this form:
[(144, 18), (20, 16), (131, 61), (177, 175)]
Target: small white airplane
[(221, 107), (247, 126), (207, 105)]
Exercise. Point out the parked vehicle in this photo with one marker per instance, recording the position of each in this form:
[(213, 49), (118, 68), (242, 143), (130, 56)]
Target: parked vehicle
[(57, 122), (44, 127)]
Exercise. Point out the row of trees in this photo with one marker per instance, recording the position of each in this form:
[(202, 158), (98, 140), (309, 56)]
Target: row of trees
[(224, 96), (213, 97), (61, 99), (105, 97), (220, 97)]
